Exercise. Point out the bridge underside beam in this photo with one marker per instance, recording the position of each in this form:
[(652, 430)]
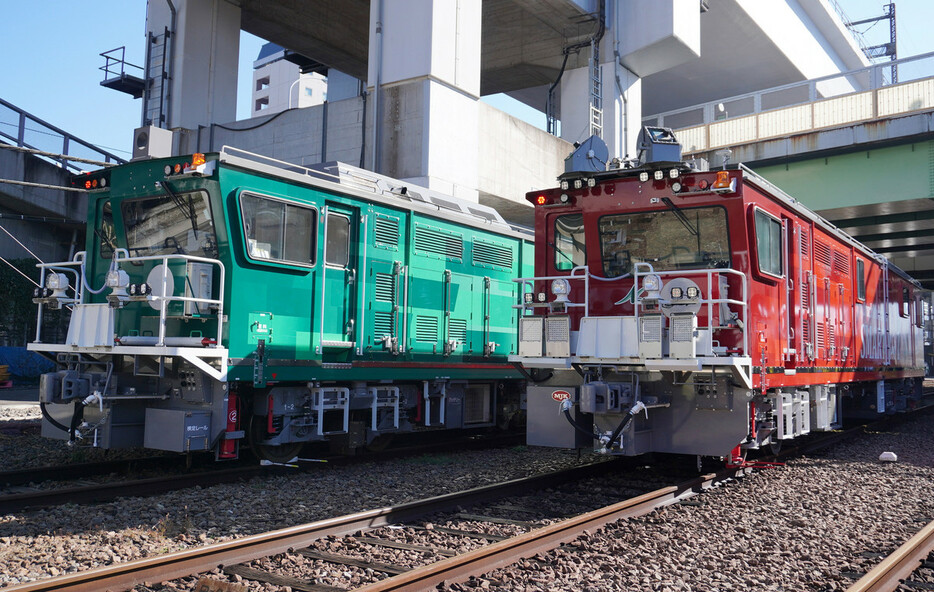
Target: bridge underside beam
[(882, 195)]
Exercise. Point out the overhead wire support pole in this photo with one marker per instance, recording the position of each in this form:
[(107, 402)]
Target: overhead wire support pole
[(889, 49)]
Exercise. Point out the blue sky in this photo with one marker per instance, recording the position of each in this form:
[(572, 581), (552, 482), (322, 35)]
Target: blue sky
[(51, 59)]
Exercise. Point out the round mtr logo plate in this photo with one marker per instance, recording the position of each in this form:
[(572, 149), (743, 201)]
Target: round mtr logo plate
[(560, 396)]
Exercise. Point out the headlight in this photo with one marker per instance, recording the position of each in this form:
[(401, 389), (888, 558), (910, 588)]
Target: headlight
[(652, 283), (527, 297), (541, 296), (56, 281), (693, 292), (117, 278), (677, 293), (560, 287)]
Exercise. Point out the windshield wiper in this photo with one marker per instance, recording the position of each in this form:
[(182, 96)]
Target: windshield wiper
[(562, 253), (188, 210), (680, 215)]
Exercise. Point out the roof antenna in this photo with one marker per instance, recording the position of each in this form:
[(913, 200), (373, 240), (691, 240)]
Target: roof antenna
[(725, 154)]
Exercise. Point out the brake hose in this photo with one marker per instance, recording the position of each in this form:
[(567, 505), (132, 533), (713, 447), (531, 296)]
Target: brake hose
[(50, 419), (636, 408)]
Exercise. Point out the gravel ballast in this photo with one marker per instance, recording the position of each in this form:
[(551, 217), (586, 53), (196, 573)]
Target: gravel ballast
[(815, 524), (800, 527), (49, 542)]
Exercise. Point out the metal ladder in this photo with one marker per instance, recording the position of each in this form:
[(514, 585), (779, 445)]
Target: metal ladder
[(155, 95), (596, 91)]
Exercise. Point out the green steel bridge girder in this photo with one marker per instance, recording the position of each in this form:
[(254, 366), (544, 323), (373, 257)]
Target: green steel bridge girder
[(883, 196)]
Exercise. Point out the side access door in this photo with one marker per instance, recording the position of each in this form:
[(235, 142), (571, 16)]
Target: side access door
[(338, 290)]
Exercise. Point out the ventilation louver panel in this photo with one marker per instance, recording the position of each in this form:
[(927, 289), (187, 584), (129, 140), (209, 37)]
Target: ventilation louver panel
[(486, 254), (841, 263), (382, 325), (386, 232), (385, 288), (822, 253), (426, 329), (457, 330), (437, 242)]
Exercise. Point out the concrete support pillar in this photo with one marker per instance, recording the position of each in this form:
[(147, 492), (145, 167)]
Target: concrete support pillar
[(642, 38), (424, 57), (201, 59), (622, 107)]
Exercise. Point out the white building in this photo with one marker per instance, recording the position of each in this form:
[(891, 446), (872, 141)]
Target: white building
[(278, 84)]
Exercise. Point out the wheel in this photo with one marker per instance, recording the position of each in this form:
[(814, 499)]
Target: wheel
[(273, 453)]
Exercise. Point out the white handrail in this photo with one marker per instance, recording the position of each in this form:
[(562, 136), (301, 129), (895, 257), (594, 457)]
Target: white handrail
[(709, 302), (77, 266)]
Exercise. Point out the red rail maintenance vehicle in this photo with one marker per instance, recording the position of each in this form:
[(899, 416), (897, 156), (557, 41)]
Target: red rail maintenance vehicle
[(677, 309)]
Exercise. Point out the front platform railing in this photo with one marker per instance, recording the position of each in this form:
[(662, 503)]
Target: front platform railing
[(619, 339), (93, 325)]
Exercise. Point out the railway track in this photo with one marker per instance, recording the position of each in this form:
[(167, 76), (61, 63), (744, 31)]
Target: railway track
[(77, 471), (19, 427), (206, 474), (898, 568), (386, 549), (235, 555)]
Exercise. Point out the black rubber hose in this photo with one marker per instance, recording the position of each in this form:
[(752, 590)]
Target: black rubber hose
[(50, 419), (577, 426), (622, 426), (76, 419)]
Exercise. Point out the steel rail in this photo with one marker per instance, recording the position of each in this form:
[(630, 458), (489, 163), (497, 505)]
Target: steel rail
[(888, 574), (484, 559), (123, 576)]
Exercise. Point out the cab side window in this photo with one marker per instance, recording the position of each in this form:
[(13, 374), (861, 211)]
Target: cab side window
[(769, 244), (570, 251), (338, 240), (276, 230), (106, 232), (860, 280)]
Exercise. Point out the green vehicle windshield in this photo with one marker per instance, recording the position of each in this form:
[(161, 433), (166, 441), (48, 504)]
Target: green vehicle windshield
[(180, 223)]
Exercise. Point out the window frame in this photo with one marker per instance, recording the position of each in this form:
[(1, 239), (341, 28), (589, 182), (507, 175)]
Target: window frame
[(349, 243), (919, 310), (202, 192), (286, 202), (905, 308), (860, 280), (105, 215), (556, 251), (718, 207), (781, 243)]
